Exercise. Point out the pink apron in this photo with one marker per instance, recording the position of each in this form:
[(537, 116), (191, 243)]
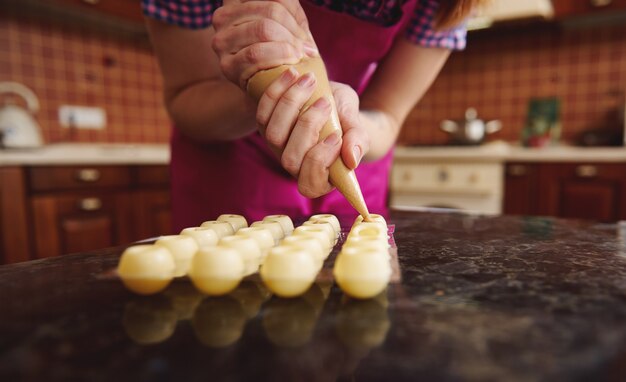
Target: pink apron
[(244, 177)]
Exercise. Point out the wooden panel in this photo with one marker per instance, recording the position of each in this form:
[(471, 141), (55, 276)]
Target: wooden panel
[(152, 175), (78, 177), (596, 201), (520, 189), (80, 222), (152, 215), (83, 233), (14, 245), (583, 190)]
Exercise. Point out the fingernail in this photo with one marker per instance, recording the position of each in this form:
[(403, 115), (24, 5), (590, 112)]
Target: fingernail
[(357, 154), (290, 74), (332, 139), (310, 50), (306, 80), (321, 103)]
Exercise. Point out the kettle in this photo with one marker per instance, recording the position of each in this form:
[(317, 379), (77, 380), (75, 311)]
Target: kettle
[(18, 128), (471, 131)]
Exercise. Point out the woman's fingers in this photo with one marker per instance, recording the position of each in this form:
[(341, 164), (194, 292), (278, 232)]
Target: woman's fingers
[(241, 13), (244, 64), (356, 141), (272, 94), (305, 135), (313, 178), (287, 110), (233, 39), (256, 35)]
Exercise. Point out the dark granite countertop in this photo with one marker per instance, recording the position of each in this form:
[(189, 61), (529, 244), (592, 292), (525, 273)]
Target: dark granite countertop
[(482, 299)]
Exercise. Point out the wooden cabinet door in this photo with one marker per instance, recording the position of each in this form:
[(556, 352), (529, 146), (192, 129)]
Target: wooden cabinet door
[(520, 189), (587, 191), (152, 215), (68, 223), (566, 8), (14, 245)]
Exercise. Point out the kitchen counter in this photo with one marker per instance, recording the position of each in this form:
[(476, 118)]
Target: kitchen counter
[(105, 153), (85, 153), (502, 152), (482, 299)]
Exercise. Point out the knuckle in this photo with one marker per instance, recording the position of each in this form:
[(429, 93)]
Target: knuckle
[(254, 54), (290, 163), (273, 137), (307, 190), (316, 159), (287, 51), (311, 123), (273, 11), (218, 43), (291, 100), (265, 30), (219, 17)]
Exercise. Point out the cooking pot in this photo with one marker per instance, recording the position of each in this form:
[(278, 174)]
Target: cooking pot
[(471, 130)]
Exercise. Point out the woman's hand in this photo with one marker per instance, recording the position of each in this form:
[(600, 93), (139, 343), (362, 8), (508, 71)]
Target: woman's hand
[(256, 35), (297, 136)]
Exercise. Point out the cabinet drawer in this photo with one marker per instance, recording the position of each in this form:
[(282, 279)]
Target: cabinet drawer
[(78, 177), (446, 178), (77, 222)]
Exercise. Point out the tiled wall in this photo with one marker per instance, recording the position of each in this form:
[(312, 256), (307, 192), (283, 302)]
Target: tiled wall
[(502, 69), (66, 63)]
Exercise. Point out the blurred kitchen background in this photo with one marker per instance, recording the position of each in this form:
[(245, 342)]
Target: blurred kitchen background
[(549, 76)]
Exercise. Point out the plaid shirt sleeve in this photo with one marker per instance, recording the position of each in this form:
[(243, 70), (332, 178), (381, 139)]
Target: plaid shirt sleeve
[(192, 14), (421, 29)]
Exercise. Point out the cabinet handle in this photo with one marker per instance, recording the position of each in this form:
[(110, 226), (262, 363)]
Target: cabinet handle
[(88, 175), (600, 3), (91, 2), (90, 204), (517, 170), (443, 175), (586, 171), (407, 176)]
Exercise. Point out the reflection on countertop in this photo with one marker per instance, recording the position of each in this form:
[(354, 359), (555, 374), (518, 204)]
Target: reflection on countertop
[(482, 299), (87, 153)]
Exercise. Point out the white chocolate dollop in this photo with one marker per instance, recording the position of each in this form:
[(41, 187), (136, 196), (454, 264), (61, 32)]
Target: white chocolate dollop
[(146, 269), (182, 248), (216, 270), (236, 221)]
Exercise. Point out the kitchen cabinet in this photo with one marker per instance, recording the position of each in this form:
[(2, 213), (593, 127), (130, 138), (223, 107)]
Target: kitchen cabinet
[(53, 210), (520, 191), (14, 244), (595, 191), (583, 190), (567, 8), (80, 222)]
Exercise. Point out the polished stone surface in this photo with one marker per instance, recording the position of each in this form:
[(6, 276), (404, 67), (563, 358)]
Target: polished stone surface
[(482, 299)]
